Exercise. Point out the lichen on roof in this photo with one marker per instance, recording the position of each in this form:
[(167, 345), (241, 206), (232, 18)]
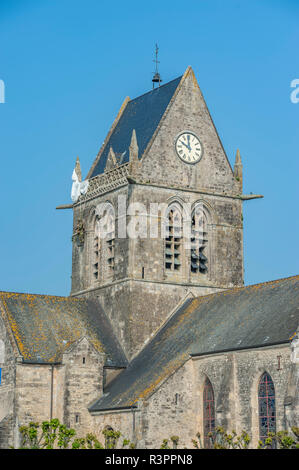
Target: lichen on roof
[(45, 326), (246, 317)]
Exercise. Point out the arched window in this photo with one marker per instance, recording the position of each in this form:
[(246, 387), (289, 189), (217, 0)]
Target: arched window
[(109, 230), (199, 242), (103, 242), (96, 251), (173, 240), (266, 399), (208, 413)]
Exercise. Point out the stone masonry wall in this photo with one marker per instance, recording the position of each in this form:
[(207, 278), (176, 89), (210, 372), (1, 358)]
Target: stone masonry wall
[(137, 309), (176, 407), (140, 297), (7, 387), (63, 391), (33, 393), (188, 112), (83, 384)]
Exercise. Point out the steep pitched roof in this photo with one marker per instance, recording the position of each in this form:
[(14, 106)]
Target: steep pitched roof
[(44, 326), (246, 317), (142, 114)]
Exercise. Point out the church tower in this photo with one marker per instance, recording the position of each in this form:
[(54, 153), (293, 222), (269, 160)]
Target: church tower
[(161, 160)]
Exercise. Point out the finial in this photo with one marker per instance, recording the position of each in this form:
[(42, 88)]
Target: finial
[(156, 77), (78, 169), (238, 168), (111, 160), (133, 147), (238, 158)]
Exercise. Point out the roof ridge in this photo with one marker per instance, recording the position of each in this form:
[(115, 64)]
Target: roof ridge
[(107, 138), (150, 107), (235, 289), (40, 295), (212, 325), (231, 289), (274, 280), (155, 89)]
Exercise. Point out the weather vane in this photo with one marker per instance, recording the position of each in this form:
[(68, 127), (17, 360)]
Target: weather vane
[(156, 78)]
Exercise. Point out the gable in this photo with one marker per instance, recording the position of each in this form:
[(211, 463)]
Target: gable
[(142, 114), (187, 112)]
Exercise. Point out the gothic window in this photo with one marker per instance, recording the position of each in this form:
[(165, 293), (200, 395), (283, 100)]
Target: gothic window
[(173, 240), (199, 242), (208, 413), (109, 228), (103, 243), (266, 403)]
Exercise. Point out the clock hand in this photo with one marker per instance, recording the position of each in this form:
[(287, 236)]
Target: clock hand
[(187, 146), (188, 137)]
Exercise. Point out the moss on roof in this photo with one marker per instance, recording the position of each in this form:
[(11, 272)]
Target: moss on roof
[(44, 326), (257, 315)]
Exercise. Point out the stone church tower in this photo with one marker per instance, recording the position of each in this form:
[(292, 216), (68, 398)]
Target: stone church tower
[(159, 336), (162, 148)]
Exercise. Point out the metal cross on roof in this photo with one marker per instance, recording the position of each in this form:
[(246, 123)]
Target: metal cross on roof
[(156, 78)]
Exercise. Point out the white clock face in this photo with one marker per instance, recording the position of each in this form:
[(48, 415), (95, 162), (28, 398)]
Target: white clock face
[(188, 147)]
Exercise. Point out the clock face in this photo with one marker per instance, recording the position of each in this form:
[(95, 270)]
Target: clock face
[(188, 147)]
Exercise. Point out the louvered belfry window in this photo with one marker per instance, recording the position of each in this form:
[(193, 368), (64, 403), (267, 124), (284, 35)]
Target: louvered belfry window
[(199, 242), (96, 252), (173, 240), (208, 414), (103, 244), (110, 240), (267, 414)]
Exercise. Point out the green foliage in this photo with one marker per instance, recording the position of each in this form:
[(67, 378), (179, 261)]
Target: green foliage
[(164, 444), (223, 440), (88, 442), (175, 441), (127, 442), (197, 442), (49, 434), (111, 438), (281, 440), (53, 434)]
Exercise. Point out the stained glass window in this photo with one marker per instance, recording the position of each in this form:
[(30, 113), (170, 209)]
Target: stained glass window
[(266, 397), (208, 413)]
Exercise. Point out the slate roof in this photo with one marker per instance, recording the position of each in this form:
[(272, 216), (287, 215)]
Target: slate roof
[(44, 326), (142, 114), (247, 317)]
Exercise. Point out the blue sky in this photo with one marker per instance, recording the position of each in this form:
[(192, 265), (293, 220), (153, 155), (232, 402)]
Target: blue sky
[(67, 65)]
